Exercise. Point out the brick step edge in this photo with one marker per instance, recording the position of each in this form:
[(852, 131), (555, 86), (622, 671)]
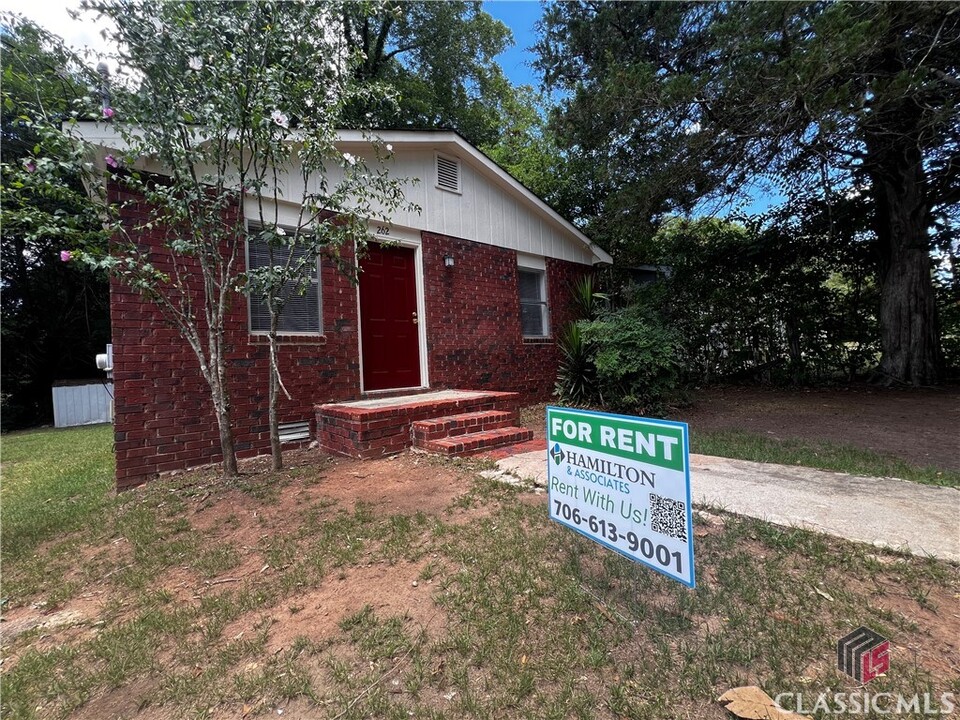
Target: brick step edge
[(477, 441), (461, 424)]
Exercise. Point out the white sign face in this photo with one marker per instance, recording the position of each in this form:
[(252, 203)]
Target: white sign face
[(625, 483)]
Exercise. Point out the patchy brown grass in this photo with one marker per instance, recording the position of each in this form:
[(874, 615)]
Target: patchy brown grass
[(412, 587)]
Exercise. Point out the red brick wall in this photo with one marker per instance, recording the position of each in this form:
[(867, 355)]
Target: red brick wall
[(474, 338), (162, 415), (163, 419)]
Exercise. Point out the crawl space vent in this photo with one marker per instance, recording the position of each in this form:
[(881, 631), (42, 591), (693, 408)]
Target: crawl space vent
[(448, 173), (294, 431)]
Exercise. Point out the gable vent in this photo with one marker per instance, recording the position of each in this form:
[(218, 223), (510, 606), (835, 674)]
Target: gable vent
[(448, 173), (294, 431)]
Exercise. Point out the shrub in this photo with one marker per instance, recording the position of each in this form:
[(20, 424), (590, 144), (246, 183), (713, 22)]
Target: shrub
[(636, 360), (625, 360)]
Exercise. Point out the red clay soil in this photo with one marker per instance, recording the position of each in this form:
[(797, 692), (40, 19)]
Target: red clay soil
[(921, 426)]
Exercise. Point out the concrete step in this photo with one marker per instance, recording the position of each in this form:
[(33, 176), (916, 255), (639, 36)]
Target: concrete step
[(461, 424), (476, 442)]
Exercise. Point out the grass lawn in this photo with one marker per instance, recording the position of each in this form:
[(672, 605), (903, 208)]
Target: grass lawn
[(54, 481), (839, 457), (412, 587)]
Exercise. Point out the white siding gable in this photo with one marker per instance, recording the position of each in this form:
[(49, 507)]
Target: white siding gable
[(490, 207)]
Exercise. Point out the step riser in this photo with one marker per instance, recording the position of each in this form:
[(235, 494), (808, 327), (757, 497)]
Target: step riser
[(461, 425), (474, 443), (421, 436)]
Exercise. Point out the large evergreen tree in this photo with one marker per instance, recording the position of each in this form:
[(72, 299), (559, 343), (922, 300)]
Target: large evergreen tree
[(676, 101)]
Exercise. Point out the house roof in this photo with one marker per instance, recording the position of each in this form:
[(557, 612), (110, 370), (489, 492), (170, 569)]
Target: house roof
[(104, 134)]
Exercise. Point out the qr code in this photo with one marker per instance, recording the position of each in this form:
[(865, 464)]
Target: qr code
[(668, 517)]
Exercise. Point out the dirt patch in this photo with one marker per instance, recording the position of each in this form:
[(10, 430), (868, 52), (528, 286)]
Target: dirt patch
[(125, 702), (916, 425), (391, 590), (401, 483)]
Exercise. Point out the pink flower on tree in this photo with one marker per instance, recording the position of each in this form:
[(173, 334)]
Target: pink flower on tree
[(108, 112), (111, 161), (65, 256), (280, 119), (30, 166)]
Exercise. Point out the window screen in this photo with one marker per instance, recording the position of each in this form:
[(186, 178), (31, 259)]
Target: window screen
[(533, 304), (301, 312)]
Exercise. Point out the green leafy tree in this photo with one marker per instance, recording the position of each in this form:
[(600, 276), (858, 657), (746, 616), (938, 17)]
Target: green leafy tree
[(674, 102), (217, 104), (439, 58), (55, 315), (527, 149)]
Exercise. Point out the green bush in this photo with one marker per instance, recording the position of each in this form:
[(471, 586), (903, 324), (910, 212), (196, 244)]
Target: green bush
[(625, 360)]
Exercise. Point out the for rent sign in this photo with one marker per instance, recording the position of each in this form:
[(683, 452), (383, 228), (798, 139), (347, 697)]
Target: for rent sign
[(625, 483)]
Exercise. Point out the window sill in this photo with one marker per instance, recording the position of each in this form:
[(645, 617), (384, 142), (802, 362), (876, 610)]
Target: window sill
[(547, 340), (290, 339)]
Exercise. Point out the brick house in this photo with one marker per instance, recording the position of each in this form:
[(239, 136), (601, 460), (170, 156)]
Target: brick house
[(467, 295)]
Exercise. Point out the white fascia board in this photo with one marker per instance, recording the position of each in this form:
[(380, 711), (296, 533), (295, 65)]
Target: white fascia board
[(96, 133)]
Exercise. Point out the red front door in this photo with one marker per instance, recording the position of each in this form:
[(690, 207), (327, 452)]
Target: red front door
[(388, 318)]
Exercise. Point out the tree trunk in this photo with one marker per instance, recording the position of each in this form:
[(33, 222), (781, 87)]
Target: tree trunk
[(230, 471), (274, 395), (909, 335)]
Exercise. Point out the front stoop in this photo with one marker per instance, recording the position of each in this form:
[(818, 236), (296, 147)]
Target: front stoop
[(383, 426)]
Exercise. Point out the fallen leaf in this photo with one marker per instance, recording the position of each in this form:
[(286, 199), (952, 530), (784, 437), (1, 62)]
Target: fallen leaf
[(752, 703), (247, 709), (822, 594)]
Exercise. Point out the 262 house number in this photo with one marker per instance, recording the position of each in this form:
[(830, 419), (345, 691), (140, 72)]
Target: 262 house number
[(383, 230)]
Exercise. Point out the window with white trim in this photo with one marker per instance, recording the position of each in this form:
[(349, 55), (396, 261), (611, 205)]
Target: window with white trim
[(301, 310), (534, 321)]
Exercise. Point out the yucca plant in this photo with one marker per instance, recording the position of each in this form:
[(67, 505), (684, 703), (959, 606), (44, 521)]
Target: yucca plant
[(576, 378), (587, 303)]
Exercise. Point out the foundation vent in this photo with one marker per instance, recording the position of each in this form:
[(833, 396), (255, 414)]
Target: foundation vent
[(294, 431)]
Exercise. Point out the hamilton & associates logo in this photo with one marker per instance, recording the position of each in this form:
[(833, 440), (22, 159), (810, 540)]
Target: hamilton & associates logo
[(557, 454)]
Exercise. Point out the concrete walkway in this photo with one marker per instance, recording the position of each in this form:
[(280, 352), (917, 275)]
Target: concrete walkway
[(921, 519)]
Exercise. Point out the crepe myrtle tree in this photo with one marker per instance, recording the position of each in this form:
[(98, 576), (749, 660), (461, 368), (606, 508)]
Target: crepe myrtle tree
[(219, 107)]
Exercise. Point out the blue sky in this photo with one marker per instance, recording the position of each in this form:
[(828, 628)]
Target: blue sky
[(520, 16)]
